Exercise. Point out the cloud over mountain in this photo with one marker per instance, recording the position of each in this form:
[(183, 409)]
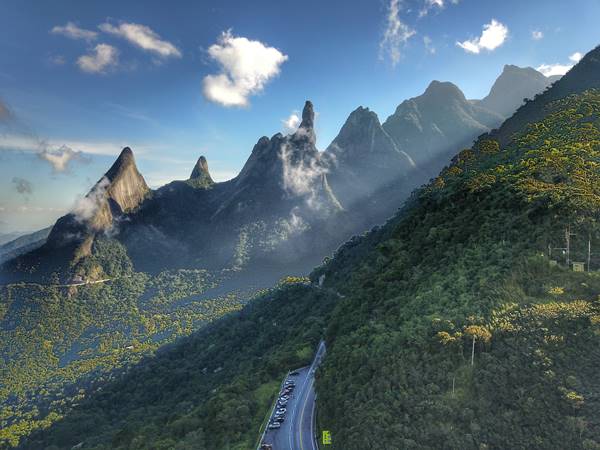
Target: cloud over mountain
[(493, 36), (246, 67), (557, 68)]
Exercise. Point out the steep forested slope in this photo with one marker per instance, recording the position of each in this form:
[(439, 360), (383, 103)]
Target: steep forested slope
[(469, 262), (210, 391)]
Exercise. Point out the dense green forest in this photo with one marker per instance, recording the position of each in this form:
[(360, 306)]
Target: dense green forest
[(459, 324), (469, 262), (211, 390), (58, 342)]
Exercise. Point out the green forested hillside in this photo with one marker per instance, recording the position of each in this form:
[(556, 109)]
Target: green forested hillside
[(470, 260), (211, 390), (460, 324), (57, 342)]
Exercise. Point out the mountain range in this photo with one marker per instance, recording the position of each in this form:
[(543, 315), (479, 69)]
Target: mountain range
[(289, 204), (458, 323), (130, 272)]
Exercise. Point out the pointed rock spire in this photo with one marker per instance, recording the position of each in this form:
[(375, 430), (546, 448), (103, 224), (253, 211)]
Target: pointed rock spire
[(200, 176), (123, 162), (308, 116), (306, 128), (201, 169)]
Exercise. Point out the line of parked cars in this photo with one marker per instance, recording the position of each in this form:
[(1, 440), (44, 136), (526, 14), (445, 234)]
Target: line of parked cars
[(281, 408)]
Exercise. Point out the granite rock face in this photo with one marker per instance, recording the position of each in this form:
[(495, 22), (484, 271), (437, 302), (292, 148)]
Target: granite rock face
[(363, 157), (118, 192)]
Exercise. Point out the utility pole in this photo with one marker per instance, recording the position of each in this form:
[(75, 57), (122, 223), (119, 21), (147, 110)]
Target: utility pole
[(473, 351)]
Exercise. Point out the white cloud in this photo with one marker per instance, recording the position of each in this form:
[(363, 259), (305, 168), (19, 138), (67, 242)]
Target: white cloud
[(246, 67), (143, 37), (291, 124), (302, 177), (86, 207), (103, 57), (429, 47), (536, 35), (493, 36), (559, 69), (395, 35), (553, 69), (72, 31), (576, 57), (61, 157)]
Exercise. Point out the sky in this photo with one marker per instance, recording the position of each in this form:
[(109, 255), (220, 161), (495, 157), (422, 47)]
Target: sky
[(176, 80)]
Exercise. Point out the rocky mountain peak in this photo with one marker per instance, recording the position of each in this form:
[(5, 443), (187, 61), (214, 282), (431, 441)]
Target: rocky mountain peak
[(511, 87), (308, 116), (200, 172), (127, 187), (443, 90), (123, 163)]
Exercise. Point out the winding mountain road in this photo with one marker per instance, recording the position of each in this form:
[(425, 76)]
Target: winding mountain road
[(297, 431)]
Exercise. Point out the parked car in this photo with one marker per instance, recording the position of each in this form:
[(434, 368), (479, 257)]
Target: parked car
[(275, 425), (294, 373)]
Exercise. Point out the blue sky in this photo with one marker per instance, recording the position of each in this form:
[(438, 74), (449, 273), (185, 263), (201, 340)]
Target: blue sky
[(176, 80)]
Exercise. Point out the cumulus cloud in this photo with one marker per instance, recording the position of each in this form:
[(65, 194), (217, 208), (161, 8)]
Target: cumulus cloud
[(85, 208), (103, 57), (143, 37), (291, 124), (537, 35), (72, 31), (22, 185), (395, 35), (60, 158), (301, 177), (559, 69), (576, 57), (246, 67), (493, 36)]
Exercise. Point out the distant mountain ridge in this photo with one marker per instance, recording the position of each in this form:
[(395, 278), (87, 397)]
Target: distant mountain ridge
[(23, 244), (512, 86), (290, 203)]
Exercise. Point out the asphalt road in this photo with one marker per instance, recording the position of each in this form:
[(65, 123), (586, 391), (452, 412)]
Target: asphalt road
[(297, 431)]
